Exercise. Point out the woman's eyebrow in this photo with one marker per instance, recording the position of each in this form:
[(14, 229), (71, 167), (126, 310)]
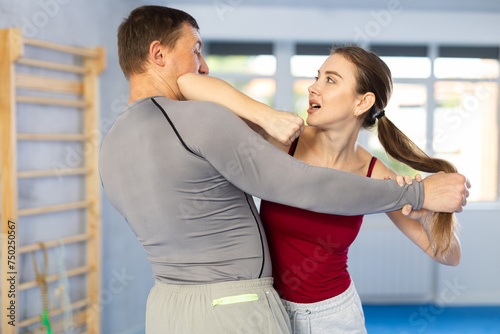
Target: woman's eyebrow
[(334, 73)]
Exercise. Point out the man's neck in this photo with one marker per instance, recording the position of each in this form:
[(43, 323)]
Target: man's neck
[(146, 85)]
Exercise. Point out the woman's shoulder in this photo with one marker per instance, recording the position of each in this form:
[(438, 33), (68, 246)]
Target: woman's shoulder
[(380, 169)]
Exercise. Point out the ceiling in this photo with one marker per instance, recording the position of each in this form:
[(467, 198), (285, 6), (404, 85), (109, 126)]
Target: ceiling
[(425, 5)]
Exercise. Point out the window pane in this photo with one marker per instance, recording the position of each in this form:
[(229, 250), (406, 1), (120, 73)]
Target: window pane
[(466, 68), (306, 66), (255, 65), (301, 96), (466, 133), (409, 67), (407, 110), (260, 89), (401, 67)]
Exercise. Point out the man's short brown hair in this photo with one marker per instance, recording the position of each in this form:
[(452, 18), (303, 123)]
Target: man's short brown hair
[(143, 26)]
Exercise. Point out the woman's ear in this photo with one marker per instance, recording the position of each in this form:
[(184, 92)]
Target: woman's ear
[(157, 53), (365, 103)]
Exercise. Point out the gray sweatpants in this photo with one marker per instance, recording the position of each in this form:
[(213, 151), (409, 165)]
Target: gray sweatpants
[(236, 307), (342, 314)]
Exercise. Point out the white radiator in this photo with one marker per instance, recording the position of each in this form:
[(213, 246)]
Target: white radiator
[(389, 268)]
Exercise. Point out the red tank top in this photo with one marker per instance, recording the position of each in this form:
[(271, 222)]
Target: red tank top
[(309, 249)]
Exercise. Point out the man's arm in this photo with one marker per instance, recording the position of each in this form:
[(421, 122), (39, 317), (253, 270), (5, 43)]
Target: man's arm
[(283, 126), (260, 169), (204, 88)]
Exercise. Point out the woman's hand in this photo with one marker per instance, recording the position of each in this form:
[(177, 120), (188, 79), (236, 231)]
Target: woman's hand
[(421, 215), (283, 126)]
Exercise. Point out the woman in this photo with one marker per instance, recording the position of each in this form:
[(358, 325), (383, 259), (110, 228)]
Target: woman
[(309, 250)]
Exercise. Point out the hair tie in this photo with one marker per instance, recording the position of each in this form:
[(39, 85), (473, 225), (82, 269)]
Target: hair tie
[(380, 114)]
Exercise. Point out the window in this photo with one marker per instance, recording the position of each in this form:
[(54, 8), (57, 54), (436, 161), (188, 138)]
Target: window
[(250, 67), (410, 61), (449, 110), (467, 62), (466, 114), (301, 96), (407, 110), (304, 66), (445, 97)]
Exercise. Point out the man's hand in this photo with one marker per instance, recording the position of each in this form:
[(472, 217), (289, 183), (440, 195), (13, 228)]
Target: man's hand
[(284, 126), (445, 192)]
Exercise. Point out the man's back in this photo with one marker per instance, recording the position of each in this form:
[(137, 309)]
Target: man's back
[(195, 226)]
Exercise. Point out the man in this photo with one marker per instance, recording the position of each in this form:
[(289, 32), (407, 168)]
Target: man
[(182, 173)]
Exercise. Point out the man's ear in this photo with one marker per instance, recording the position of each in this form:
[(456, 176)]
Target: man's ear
[(157, 53), (365, 103)]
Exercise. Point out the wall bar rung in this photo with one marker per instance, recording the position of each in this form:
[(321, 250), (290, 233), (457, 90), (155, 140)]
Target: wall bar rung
[(39, 83), (74, 306), (54, 243), (50, 65), (62, 48), (52, 208), (47, 136), (51, 101), (51, 172), (52, 278)]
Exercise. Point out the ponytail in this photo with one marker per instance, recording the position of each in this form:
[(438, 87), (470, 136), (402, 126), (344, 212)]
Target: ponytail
[(403, 149)]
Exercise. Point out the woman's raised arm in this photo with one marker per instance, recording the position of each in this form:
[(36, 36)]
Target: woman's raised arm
[(283, 126)]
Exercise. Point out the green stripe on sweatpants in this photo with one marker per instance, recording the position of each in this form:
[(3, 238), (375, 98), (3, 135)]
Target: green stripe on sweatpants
[(235, 307)]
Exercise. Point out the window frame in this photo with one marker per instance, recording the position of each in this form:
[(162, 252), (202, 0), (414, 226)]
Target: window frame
[(284, 50)]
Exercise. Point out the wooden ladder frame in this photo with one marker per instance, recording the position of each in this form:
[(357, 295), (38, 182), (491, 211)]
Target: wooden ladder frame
[(11, 52)]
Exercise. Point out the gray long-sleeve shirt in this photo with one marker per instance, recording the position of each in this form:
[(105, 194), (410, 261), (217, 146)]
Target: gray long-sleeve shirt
[(182, 174)]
